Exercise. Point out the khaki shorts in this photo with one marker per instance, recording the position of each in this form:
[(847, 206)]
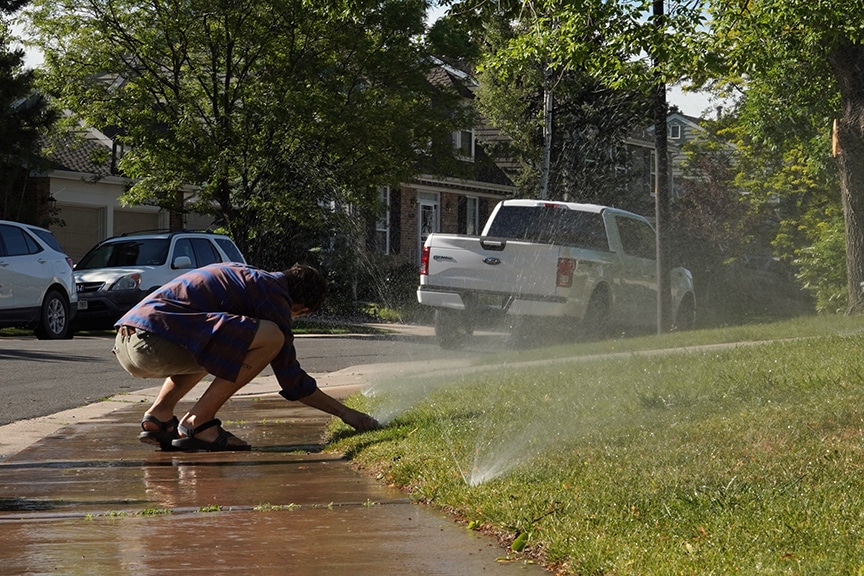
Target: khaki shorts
[(146, 355)]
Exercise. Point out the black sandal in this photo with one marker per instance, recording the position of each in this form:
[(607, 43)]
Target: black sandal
[(188, 442), (168, 431)]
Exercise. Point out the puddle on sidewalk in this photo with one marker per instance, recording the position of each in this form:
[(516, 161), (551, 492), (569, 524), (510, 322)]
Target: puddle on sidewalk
[(92, 499)]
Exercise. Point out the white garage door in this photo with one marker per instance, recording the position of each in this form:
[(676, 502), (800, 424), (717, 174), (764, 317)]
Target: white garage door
[(131, 221), (82, 228)]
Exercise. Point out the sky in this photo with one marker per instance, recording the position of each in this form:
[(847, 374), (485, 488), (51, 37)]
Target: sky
[(692, 103)]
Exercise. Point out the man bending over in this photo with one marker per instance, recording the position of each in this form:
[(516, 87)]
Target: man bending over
[(229, 320)]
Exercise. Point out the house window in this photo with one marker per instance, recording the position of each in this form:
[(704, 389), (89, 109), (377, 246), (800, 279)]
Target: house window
[(675, 132), (472, 215), (382, 222), (463, 143), (117, 151)]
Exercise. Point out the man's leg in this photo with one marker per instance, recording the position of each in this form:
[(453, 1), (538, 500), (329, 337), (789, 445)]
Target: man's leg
[(265, 346), (173, 390)]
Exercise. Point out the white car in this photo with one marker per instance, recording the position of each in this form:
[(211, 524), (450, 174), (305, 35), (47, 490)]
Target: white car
[(36, 285), (118, 272)]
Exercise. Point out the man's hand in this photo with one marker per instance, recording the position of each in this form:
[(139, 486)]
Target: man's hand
[(360, 421)]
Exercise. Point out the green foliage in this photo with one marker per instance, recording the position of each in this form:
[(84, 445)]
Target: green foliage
[(25, 118), (453, 39), (711, 461), (797, 64), (608, 40), (776, 54), (526, 50), (822, 269), (589, 125), (724, 235), (780, 48), (268, 110)]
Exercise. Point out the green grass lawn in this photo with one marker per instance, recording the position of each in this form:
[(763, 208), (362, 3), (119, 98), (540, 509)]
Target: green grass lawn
[(656, 455)]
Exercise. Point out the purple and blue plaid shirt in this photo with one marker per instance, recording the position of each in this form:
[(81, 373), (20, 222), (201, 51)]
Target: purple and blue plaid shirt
[(213, 312)]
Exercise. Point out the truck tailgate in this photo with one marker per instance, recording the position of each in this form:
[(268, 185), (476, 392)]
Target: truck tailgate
[(491, 265)]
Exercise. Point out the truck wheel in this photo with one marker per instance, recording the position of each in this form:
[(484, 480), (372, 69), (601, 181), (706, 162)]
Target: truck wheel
[(54, 318), (685, 319), (595, 324), (452, 329)]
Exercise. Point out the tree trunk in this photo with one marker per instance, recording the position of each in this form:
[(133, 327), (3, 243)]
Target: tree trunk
[(847, 62)]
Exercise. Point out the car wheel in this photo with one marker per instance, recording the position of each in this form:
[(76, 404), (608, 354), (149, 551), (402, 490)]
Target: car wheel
[(452, 328), (54, 321), (595, 324)]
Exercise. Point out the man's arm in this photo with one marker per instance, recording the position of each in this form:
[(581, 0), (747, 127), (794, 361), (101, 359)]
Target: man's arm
[(330, 405)]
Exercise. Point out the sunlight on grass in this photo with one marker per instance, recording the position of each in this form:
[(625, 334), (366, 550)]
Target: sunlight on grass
[(745, 458)]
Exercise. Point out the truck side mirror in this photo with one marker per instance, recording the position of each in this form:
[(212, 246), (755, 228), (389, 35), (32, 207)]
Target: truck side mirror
[(182, 262)]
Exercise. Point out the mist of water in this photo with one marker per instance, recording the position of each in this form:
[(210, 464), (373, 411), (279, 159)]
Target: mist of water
[(533, 422), (538, 422), (497, 445), (394, 397), (495, 456)]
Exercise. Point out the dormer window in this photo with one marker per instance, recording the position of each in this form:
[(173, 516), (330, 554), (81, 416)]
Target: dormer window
[(463, 143), (675, 132)]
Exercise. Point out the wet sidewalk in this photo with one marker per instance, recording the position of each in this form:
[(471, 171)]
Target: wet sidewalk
[(88, 498)]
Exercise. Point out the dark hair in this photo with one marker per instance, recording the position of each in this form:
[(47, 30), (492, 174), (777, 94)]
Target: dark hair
[(306, 286)]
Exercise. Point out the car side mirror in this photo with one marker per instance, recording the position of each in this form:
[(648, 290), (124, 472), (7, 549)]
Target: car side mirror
[(182, 262)]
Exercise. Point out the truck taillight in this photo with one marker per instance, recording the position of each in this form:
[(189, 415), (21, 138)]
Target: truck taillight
[(424, 262), (566, 267)]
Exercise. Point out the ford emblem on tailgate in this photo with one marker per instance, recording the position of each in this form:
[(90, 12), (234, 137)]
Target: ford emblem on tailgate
[(491, 260)]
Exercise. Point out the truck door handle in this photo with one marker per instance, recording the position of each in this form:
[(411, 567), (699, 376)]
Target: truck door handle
[(496, 245)]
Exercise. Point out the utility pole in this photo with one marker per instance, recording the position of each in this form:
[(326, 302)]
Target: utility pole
[(662, 193)]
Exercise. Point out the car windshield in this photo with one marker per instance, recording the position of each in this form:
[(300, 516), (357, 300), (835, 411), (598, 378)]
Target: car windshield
[(131, 252), (550, 225)]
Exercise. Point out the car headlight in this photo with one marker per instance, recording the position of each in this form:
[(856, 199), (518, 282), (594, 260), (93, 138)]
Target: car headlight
[(128, 282)]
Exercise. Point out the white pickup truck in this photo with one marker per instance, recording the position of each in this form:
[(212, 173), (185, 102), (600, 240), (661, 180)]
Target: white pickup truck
[(592, 266)]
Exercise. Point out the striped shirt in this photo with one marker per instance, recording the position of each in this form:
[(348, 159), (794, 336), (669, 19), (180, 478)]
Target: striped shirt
[(213, 312)]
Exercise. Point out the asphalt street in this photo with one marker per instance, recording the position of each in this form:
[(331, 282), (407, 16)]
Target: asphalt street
[(40, 377)]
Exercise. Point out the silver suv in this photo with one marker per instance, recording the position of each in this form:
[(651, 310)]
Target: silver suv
[(36, 286), (118, 272)]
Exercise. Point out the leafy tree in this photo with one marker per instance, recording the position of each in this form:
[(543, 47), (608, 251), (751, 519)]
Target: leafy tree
[(277, 112), (791, 181), (591, 115), (799, 63), (724, 237), (590, 122), (24, 118)]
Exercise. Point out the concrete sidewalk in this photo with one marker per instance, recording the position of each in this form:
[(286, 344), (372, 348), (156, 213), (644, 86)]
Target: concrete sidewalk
[(79, 494)]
